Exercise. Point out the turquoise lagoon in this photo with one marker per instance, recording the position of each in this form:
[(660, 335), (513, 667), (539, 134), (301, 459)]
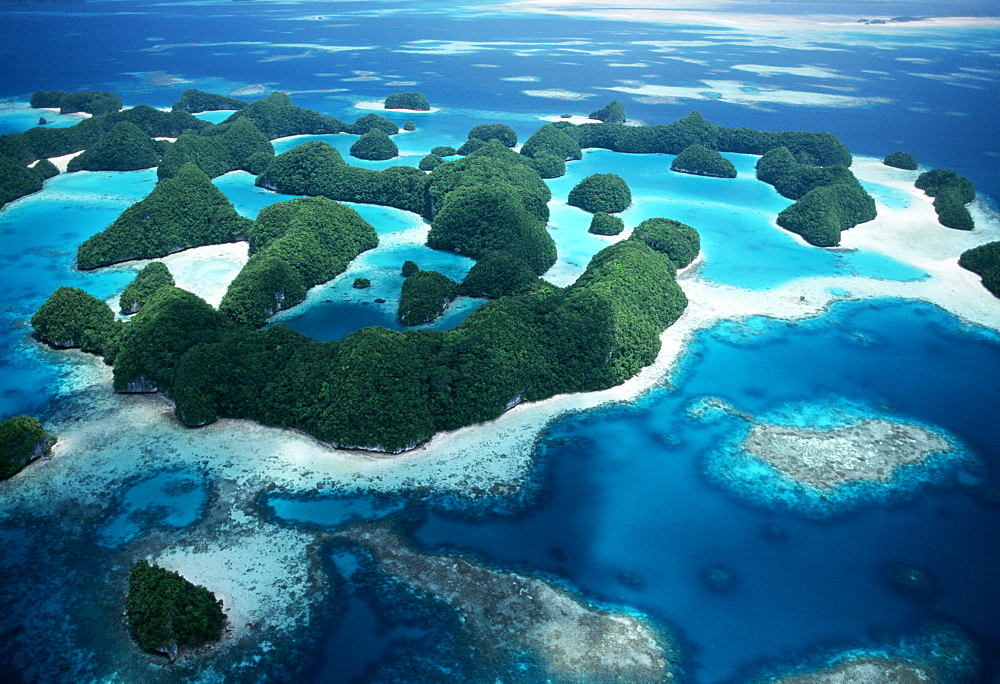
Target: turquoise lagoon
[(624, 507)]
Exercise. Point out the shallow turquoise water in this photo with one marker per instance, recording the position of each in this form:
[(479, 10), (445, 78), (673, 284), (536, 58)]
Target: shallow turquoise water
[(627, 514), (169, 499)]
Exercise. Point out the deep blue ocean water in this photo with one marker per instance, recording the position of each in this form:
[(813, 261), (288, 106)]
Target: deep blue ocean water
[(625, 511)]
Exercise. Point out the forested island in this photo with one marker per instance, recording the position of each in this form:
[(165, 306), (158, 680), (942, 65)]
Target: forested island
[(22, 440), (387, 390)]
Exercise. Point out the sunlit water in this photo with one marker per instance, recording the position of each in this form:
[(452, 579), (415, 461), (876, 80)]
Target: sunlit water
[(625, 510)]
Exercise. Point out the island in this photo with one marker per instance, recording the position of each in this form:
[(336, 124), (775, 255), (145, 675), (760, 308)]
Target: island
[(414, 101), (97, 103), (425, 296), (951, 192), (375, 145), (701, 161), (901, 160), (601, 192), (605, 224), (22, 440), (167, 613), (984, 261), (151, 278), (197, 101)]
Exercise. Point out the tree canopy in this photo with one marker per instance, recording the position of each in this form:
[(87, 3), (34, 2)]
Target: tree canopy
[(151, 278), (604, 192), (901, 160), (196, 101), (701, 161), (407, 101), (984, 261), (375, 145), (22, 440), (679, 241), (425, 296), (125, 148), (166, 612), (182, 212), (612, 113), (606, 224)]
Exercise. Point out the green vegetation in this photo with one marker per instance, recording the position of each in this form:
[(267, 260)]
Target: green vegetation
[(195, 101), (430, 162), (606, 224), (951, 192), (182, 212), (553, 140), (409, 126), (425, 296), (374, 145), (479, 219), (361, 284), (218, 150), (409, 268), (829, 198), (515, 177), (154, 122), (901, 160), (444, 151), (276, 117), (17, 180), (151, 278), (317, 169), (95, 102), (407, 101), (822, 213), (498, 274), (548, 166), (22, 440), (294, 245), (72, 318), (604, 192), (371, 122), (166, 612), (679, 241), (125, 148), (701, 161), (984, 261), (612, 113), (470, 146), (502, 132), (819, 149)]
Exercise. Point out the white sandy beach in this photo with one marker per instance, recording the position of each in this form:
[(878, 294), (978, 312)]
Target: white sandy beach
[(259, 568)]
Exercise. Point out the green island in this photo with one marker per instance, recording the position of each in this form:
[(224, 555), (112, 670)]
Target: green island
[(415, 101), (166, 612), (601, 192), (22, 440), (984, 261), (125, 148), (605, 224), (196, 101), (95, 102), (701, 161), (151, 278), (425, 296), (386, 390), (375, 145), (613, 112), (901, 160), (951, 192)]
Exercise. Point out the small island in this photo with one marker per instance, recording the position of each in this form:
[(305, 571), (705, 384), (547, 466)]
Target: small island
[(951, 192), (901, 160), (701, 161), (22, 440), (166, 612), (605, 224), (415, 101), (425, 296), (151, 278), (375, 145), (984, 261), (601, 192)]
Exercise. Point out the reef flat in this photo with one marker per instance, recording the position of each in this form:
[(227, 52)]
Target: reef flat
[(824, 459), (867, 671), (503, 614)]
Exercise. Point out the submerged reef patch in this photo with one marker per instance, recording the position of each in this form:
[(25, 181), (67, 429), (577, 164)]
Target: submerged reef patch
[(937, 654), (822, 460), (512, 620)]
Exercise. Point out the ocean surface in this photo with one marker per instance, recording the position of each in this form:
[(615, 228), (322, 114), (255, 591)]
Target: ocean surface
[(625, 507)]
